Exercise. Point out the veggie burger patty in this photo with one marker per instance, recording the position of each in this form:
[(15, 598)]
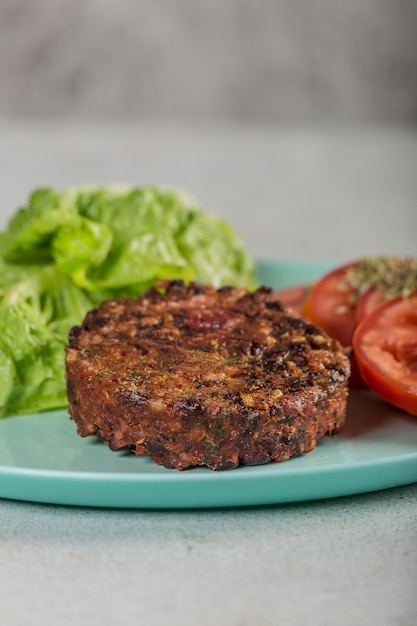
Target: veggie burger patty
[(198, 376)]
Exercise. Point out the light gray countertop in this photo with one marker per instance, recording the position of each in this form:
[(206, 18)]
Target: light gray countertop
[(352, 560)]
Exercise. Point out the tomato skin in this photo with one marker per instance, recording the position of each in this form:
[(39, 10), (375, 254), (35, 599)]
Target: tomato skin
[(330, 307), (385, 345), (294, 297), (367, 303)]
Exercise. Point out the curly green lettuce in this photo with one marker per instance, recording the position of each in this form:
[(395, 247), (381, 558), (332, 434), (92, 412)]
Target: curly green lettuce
[(64, 253)]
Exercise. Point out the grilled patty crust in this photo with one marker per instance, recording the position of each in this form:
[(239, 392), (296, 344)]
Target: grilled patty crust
[(195, 376)]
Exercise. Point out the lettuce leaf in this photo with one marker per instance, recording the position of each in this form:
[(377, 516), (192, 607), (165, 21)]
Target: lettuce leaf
[(36, 313), (64, 253), (31, 230)]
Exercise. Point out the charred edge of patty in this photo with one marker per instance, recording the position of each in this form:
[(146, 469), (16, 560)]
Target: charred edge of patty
[(220, 441)]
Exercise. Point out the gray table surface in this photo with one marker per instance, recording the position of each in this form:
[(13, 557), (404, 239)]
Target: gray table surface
[(352, 560)]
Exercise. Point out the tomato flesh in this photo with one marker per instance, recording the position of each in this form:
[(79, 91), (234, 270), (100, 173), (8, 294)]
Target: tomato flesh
[(385, 345)]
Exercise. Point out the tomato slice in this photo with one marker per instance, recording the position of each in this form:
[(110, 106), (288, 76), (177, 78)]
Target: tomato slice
[(367, 303), (331, 305), (385, 345), (294, 297)]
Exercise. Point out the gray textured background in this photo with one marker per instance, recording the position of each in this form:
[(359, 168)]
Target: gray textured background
[(272, 60)]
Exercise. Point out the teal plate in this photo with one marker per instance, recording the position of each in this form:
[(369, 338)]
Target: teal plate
[(42, 459)]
